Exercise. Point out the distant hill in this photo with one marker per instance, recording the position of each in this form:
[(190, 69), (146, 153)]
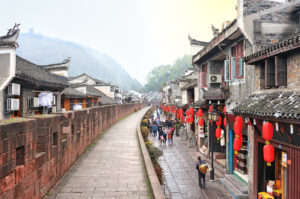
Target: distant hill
[(165, 73), (45, 50)]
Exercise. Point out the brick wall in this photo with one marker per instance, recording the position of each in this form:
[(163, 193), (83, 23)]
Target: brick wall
[(293, 70), (35, 152)]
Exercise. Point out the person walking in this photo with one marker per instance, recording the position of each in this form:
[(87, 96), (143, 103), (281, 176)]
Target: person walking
[(169, 135), (161, 137), (202, 169), (154, 128)]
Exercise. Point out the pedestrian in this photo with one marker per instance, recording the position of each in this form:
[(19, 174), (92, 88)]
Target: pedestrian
[(172, 133), (154, 129), (165, 134), (160, 131), (169, 135), (161, 137), (202, 169)]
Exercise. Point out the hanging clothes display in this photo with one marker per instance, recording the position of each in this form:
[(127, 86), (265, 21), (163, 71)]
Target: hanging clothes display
[(46, 99)]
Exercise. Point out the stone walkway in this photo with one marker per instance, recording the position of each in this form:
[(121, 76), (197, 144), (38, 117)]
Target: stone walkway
[(178, 162), (112, 168)]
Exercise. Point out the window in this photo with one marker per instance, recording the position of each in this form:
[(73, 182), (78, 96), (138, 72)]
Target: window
[(275, 73), (234, 67)]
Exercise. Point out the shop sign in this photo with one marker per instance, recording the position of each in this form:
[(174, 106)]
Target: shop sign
[(284, 159)]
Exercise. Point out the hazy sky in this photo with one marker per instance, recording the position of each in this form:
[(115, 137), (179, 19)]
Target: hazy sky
[(138, 34)]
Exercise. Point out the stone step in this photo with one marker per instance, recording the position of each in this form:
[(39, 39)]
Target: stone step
[(235, 193), (241, 186)]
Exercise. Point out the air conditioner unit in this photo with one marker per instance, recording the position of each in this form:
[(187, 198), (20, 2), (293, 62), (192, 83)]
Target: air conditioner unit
[(14, 89), (13, 104), (34, 102), (214, 79)]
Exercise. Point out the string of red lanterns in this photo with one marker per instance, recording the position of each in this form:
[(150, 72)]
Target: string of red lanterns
[(267, 133)]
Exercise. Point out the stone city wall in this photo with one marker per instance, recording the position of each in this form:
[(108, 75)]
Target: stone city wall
[(35, 152)]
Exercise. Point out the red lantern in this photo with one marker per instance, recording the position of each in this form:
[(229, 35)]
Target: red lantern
[(239, 119), (224, 110), (225, 122), (181, 118), (210, 108), (267, 131), (219, 123), (199, 113), (191, 111), (201, 122), (218, 133), (191, 119), (187, 112), (237, 144), (238, 127), (268, 154)]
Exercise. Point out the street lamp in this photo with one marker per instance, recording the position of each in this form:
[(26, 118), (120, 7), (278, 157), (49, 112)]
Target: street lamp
[(214, 116)]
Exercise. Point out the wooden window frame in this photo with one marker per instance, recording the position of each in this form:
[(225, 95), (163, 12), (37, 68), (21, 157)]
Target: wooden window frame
[(275, 72)]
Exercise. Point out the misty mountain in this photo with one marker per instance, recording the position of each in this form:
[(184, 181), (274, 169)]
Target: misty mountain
[(45, 50)]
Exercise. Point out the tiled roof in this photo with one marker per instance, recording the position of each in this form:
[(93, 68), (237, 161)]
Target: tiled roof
[(215, 38), (90, 90), (193, 84), (71, 92), (98, 82), (272, 105), (277, 48), (105, 100), (34, 74)]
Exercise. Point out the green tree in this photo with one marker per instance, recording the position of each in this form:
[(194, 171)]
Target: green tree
[(166, 73)]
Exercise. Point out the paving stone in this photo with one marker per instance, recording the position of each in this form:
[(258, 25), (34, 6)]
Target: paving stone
[(112, 168), (181, 177)]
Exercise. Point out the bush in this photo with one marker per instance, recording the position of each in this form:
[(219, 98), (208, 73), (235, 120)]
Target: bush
[(154, 153), (144, 122), (145, 132), (148, 144)]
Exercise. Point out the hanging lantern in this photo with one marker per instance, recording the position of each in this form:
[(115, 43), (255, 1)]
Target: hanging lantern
[(267, 131), (201, 122), (191, 119), (219, 122), (191, 111), (268, 154), (224, 110), (218, 133), (239, 119), (210, 108), (237, 144), (225, 122), (181, 118), (199, 113), (237, 128), (187, 112)]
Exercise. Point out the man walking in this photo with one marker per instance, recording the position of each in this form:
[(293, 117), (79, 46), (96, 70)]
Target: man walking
[(202, 168)]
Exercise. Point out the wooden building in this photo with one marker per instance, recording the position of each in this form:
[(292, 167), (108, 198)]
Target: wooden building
[(277, 100)]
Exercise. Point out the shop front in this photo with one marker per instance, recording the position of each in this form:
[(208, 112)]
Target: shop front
[(274, 152), (281, 177), (237, 161)]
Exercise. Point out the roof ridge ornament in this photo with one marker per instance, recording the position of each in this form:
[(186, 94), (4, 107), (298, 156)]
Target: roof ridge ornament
[(11, 37)]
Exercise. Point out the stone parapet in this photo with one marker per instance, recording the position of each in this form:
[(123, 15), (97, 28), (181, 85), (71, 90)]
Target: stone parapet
[(35, 152)]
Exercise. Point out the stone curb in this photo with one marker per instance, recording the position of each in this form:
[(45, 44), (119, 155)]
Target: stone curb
[(157, 190)]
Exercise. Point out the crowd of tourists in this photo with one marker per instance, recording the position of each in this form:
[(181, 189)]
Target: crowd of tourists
[(163, 130)]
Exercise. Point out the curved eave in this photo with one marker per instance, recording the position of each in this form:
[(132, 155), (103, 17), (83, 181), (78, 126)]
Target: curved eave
[(223, 39)]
